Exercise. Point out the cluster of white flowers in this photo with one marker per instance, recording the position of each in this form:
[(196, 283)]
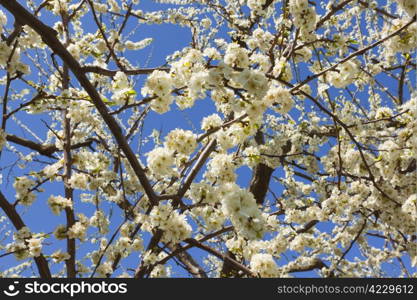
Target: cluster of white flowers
[(78, 231), (161, 271), (4, 53), (11, 58), (304, 17), (301, 241), (261, 39), (78, 181), (281, 99), (105, 268), (4, 48), (22, 186), (79, 111), (256, 6), (123, 92), (174, 225), (60, 232), (213, 217), (255, 82), (409, 6), (25, 244), (236, 56), (182, 141), (19, 249), (100, 220), (252, 155), (210, 122), (74, 50), (206, 23), (303, 54), (240, 206), (236, 133), (159, 84), (303, 217), (125, 244), (3, 21), (221, 168), (264, 265), (282, 69), (202, 193), (59, 203), (346, 74), (160, 161), (196, 86), (35, 246), (403, 43), (59, 256)]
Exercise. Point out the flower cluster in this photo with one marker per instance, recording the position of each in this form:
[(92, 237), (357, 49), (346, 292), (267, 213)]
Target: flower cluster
[(159, 84), (78, 181), (221, 168), (240, 206), (345, 75), (174, 225), (182, 141), (160, 161), (100, 220), (77, 231), (304, 17), (236, 56), (59, 203), (281, 98), (264, 265), (409, 6), (25, 244), (123, 91), (23, 187)]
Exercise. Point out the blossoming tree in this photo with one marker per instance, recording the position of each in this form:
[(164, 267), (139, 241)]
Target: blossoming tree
[(315, 100)]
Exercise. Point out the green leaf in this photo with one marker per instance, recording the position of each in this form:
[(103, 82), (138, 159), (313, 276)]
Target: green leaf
[(130, 92)]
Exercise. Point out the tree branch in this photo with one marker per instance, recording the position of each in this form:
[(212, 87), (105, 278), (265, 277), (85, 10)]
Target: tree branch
[(49, 38), (18, 223), (111, 73)]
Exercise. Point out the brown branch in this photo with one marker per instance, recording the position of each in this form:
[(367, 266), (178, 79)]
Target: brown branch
[(307, 226), (355, 239), (334, 10), (401, 84), (196, 168), (111, 73), (222, 256), (144, 269), (68, 161), (191, 265), (357, 53), (316, 264), (18, 223), (49, 38), (189, 246), (379, 10), (43, 149), (103, 34), (261, 175)]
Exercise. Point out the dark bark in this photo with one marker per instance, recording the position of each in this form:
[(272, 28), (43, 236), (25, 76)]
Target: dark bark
[(49, 37), (18, 223)]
